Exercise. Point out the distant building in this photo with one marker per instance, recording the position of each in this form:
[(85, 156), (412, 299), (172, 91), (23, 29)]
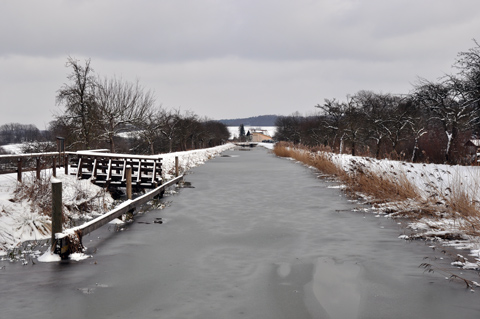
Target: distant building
[(473, 149), (258, 135)]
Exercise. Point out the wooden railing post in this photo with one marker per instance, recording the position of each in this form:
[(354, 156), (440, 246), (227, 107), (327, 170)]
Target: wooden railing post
[(176, 166), (54, 166), (128, 178), (39, 168), (19, 170), (56, 210), (66, 164)]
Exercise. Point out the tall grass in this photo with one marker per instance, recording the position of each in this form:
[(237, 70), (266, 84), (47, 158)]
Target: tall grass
[(358, 178), (460, 201)]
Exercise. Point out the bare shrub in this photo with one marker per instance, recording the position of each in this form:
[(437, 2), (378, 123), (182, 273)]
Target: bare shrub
[(37, 192), (77, 199)]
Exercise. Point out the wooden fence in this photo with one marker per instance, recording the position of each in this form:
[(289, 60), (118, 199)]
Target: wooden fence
[(62, 241), (37, 162)]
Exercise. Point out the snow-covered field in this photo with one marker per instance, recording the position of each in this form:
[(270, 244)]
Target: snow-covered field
[(12, 148), (20, 221), (234, 132)]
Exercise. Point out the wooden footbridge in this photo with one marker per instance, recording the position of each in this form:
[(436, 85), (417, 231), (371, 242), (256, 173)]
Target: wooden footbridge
[(103, 169), (106, 169)]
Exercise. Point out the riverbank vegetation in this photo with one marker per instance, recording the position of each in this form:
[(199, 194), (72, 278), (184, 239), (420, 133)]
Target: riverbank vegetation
[(441, 200)]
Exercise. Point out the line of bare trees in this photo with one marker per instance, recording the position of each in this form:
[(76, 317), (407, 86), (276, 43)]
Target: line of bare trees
[(124, 116), (431, 123), (13, 133)]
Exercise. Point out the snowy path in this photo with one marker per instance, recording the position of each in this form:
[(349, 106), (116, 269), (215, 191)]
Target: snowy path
[(257, 237)]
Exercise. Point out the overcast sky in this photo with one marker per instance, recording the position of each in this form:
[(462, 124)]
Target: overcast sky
[(229, 58)]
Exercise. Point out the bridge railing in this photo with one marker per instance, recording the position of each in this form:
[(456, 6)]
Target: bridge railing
[(107, 169), (20, 163)]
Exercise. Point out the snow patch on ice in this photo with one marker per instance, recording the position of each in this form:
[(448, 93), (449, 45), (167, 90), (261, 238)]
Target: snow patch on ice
[(49, 257)]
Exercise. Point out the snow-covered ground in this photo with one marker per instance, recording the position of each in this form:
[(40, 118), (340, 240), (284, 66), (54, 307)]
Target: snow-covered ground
[(12, 148), (189, 159), (21, 221)]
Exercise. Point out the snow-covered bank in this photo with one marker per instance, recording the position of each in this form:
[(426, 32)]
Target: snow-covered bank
[(24, 208), (23, 219), (440, 187), (189, 159)]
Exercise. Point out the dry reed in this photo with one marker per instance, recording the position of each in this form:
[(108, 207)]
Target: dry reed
[(358, 178), (394, 189)]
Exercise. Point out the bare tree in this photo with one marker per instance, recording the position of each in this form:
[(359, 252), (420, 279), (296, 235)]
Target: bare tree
[(19, 133), (169, 125), (376, 110), (448, 105), (352, 126), (333, 114), (469, 65), (186, 128), (289, 128), (149, 128), (78, 96), (119, 104)]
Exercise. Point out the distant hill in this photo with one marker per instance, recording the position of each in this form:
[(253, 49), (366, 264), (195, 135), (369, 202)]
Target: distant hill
[(262, 120)]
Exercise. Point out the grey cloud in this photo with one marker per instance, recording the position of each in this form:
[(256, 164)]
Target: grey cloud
[(229, 58), (185, 30)]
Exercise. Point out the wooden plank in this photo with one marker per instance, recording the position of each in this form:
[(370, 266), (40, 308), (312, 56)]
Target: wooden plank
[(124, 172), (94, 169), (139, 173), (46, 154), (79, 168), (154, 173), (118, 156), (109, 172)]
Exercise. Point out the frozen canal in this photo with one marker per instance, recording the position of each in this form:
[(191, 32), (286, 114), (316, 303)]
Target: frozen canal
[(257, 237)]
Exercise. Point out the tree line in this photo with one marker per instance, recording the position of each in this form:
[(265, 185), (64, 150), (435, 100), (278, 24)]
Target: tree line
[(16, 133), (123, 116), (432, 123)]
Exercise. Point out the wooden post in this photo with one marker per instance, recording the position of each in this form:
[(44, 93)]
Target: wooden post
[(128, 178), (56, 210), (54, 166), (19, 170), (176, 166), (39, 168), (66, 164)]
